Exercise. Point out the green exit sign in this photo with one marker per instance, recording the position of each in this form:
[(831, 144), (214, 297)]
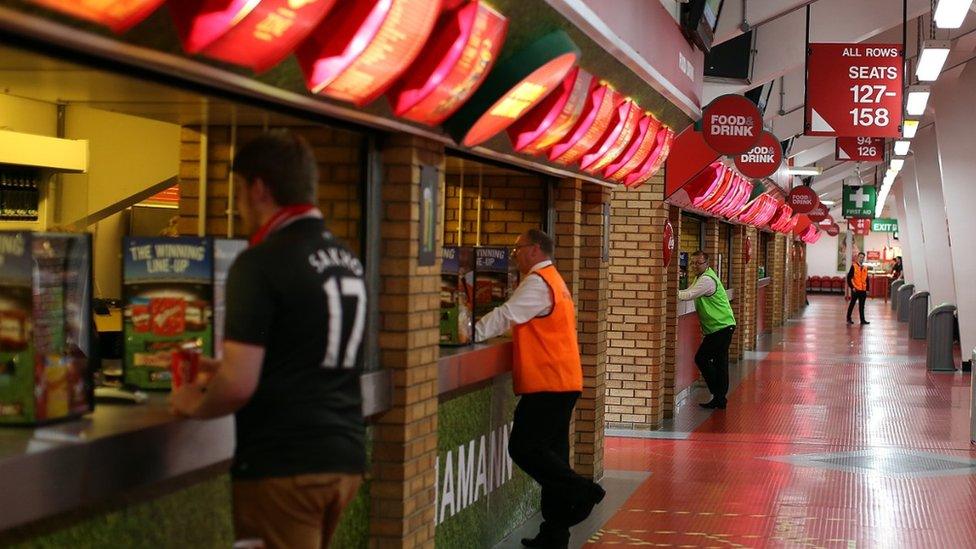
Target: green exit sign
[(884, 225)]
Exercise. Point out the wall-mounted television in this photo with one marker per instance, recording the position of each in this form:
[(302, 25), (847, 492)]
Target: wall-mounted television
[(699, 19)]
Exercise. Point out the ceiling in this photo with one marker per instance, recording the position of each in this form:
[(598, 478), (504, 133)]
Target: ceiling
[(36, 76), (779, 28)]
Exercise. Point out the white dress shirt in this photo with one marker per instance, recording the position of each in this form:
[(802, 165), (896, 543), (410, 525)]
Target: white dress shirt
[(702, 287), (532, 298)]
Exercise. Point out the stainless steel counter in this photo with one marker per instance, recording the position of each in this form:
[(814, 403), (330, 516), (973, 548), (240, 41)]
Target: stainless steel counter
[(120, 447)]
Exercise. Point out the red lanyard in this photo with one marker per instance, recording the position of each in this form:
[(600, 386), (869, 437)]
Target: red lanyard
[(284, 217)]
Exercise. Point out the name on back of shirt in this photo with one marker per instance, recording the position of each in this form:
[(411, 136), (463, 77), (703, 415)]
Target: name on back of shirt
[(333, 257)]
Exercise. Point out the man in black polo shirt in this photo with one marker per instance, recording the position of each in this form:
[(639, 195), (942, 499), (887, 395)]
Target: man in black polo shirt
[(296, 308)]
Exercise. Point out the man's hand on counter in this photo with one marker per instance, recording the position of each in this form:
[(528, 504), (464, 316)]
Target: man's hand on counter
[(186, 400)]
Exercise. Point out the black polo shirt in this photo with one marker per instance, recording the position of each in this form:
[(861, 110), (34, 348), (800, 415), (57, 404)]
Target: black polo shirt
[(300, 294)]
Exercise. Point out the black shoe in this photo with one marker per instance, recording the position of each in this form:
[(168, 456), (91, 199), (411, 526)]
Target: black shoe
[(592, 495), (547, 540), (714, 404), (849, 321), (863, 322)]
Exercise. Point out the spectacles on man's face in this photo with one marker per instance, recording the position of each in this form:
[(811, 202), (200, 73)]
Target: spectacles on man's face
[(699, 262), (515, 248)]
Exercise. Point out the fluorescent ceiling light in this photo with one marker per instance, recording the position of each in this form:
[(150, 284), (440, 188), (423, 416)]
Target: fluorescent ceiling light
[(901, 147), (931, 60), (897, 163), (828, 202), (810, 170), (909, 128), (949, 14), (918, 97)]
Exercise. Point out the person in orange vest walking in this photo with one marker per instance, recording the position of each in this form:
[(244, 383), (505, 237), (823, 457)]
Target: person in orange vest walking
[(547, 373), (857, 281)]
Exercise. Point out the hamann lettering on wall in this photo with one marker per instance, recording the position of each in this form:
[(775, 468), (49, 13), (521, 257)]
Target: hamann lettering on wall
[(476, 472), (740, 126)]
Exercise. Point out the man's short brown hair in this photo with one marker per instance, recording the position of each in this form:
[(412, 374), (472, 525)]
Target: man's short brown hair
[(284, 162), (701, 254), (544, 241)]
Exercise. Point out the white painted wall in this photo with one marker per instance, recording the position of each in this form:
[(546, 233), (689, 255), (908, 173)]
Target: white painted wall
[(822, 256), (920, 277), (935, 229)]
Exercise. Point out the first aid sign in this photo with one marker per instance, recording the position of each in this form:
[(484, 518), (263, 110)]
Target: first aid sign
[(731, 124)]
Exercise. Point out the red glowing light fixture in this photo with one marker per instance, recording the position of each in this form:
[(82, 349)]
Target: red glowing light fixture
[(811, 235), (705, 183), (363, 46), (783, 216), (551, 119), (760, 211), (622, 128), (593, 123), (463, 48), (711, 199), (737, 198), (637, 152), (118, 15), (516, 85), (256, 34), (662, 148)]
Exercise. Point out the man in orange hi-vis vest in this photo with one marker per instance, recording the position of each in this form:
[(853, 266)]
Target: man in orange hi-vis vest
[(857, 281), (546, 372)]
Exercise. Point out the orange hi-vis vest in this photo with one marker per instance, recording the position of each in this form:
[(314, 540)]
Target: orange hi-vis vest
[(860, 280), (546, 349)]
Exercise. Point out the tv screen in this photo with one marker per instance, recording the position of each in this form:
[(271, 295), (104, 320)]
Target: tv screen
[(699, 18)]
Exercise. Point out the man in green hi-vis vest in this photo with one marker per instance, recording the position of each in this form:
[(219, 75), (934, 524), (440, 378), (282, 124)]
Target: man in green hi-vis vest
[(717, 324)]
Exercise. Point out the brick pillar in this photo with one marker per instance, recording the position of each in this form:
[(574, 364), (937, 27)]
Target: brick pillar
[(777, 266), (671, 317), (712, 245), (405, 437), (742, 294), (637, 304)]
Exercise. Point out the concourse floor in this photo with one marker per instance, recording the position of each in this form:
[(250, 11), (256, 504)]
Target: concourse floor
[(835, 436)]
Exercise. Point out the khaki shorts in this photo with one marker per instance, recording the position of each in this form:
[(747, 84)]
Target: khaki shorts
[(298, 512)]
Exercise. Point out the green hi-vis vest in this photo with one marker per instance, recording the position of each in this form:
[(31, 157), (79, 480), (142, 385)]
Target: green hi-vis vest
[(714, 311)]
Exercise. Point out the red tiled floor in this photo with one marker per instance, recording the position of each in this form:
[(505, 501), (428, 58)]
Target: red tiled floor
[(824, 387)]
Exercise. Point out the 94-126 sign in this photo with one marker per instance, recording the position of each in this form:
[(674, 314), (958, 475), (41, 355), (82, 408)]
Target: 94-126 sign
[(854, 90)]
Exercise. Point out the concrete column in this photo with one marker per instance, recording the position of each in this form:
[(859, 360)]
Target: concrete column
[(935, 231), (953, 102), (914, 228)]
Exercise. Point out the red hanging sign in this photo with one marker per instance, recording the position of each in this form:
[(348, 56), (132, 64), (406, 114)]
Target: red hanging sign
[(363, 46), (873, 255), (612, 144), (516, 85), (551, 120), (854, 90), (859, 225), (859, 149), (252, 34), (593, 123), (668, 243), (731, 124), (118, 15), (819, 212), (803, 199), (763, 159), (463, 48), (833, 229), (640, 148)]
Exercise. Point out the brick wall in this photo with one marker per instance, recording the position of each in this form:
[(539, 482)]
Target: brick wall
[(778, 269), (744, 306), (510, 204), (340, 156), (405, 437), (579, 242), (637, 301)]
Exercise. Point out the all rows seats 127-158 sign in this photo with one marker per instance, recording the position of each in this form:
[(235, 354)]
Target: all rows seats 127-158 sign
[(854, 90)]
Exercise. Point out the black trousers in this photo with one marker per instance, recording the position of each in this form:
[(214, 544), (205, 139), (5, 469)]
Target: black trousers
[(712, 359), (860, 296), (539, 445)]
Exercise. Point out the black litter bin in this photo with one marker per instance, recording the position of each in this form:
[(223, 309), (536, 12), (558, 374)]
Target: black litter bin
[(918, 313), (904, 295), (938, 356), (893, 293)]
